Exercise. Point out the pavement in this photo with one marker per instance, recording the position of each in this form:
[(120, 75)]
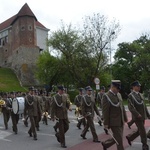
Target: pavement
[(47, 140)]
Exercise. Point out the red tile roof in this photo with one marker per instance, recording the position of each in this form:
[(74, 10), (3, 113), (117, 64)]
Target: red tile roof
[(24, 11)]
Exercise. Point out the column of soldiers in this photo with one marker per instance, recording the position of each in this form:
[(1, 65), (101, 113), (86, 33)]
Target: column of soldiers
[(113, 114)]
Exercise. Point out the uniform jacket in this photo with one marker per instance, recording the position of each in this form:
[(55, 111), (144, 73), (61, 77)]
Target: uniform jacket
[(77, 100), (59, 106), (32, 106), (7, 106), (113, 110), (136, 106), (88, 105)]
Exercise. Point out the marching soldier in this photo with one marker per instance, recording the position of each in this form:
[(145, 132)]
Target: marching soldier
[(139, 114), (59, 108), (100, 95), (6, 110), (77, 102), (88, 107), (114, 115), (32, 108), (40, 101), (14, 117)]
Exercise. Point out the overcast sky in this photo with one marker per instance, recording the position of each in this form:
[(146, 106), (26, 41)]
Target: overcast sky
[(133, 15)]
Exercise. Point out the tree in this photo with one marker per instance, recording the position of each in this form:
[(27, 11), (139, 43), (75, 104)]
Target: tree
[(99, 32), (132, 62)]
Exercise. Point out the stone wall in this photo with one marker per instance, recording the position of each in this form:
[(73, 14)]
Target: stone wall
[(23, 62)]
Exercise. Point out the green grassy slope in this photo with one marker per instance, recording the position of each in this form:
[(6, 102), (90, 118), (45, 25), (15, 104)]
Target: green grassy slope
[(9, 81)]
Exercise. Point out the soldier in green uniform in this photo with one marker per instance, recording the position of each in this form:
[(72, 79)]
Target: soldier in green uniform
[(114, 115), (139, 114), (88, 107), (32, 108), (14, 117), (6, 110), (100, 95), (59, 108), (77, 102)]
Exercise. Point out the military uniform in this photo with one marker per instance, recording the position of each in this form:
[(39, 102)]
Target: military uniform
[(114, 116), (100, 96), (139, 114), (6, 112), (59, 108), (77, 102), (14, 117), (88, 107), (32, 108)]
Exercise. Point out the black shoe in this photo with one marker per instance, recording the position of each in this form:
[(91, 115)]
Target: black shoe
[(96, 141), (100, 123), (104, 147), (63, 146), (15, 132), (26, 124), (57, 137), (106, 131), (35, 138), (129, 142), (83, 136), (148, 136), (129, 126), (55, 128), (37, 129), (145, 147), (30, 134), (78, 126)]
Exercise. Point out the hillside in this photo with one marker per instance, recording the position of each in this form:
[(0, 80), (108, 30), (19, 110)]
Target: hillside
[(9, 81)]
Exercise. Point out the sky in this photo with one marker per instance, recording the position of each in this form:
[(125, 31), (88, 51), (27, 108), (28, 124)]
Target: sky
[(133, 15)]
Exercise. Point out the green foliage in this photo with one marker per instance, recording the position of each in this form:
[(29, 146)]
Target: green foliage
[(80, 55), (133, 63), (9, 81)]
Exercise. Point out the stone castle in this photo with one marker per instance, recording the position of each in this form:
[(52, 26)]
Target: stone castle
[(22, 38)]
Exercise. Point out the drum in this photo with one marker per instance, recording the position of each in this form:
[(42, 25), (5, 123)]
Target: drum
[(18, 105)]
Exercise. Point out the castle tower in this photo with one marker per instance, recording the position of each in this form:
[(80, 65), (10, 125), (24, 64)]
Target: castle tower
[(22, 37), (24, 28)]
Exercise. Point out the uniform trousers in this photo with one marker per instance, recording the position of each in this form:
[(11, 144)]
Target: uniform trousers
[(90, 124), (81, 121), (15, 119), (6, 116), (32, 130), (141, 131), (63, 128), (118, 135)]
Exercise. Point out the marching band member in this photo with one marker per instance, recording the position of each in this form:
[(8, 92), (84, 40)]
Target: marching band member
[(32, 108), (59, 108), (114, 115), (88, 107), (77, 102)]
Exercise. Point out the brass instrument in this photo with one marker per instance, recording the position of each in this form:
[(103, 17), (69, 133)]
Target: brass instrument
[(2, 104)]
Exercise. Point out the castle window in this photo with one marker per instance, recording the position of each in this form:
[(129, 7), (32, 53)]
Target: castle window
[(30, 28), (6, 39), (5, 50), (22, 28), (30, 39)]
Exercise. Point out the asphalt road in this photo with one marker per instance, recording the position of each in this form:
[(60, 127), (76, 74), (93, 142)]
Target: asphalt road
[(47, 141)]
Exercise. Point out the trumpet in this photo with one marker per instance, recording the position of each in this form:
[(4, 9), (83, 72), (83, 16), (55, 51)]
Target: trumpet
[(81, 117)]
